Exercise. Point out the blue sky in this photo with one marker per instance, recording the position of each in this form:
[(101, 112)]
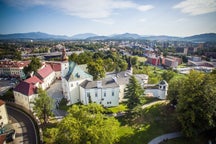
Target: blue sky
[(106, 17)]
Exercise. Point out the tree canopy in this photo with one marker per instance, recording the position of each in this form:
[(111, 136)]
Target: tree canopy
[(86, 124), (34, 65), (96, 69), (43, 106), (196, 103)]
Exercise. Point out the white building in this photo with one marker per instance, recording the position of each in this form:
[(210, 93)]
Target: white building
[(159, 91), (104, 92), (72, 76), (3, 114)]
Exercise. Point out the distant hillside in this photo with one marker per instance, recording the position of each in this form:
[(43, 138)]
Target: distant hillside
[(83, 36), (162, 38), (31, 35), (125, 36), (208, 37)]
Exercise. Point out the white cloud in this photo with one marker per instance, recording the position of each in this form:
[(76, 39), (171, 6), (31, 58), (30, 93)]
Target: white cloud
[(93, 9), (104, 21), (196, 7), (145, 7)]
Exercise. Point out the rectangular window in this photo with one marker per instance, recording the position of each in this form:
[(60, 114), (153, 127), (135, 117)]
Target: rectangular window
[(104, 94), (96, 94), (112, 92), (88, 94)]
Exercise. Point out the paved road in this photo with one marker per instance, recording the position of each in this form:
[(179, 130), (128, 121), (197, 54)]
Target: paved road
[(161, 138), (29, 133)]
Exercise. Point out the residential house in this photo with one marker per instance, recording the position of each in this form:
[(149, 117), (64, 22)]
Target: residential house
[(104, 92)]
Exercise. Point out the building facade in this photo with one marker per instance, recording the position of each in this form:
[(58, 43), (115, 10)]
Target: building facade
[(104, 92), (13, 68), (3, 114)]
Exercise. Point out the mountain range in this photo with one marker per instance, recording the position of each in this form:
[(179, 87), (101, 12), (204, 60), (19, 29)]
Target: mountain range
[(90, 36)]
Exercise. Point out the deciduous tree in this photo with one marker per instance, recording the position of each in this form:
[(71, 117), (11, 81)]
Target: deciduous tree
[(43, 106), (96, 69), (197, 103), (87, 125)]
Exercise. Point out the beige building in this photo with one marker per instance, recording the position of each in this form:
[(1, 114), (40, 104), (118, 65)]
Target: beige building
[(3, 114)]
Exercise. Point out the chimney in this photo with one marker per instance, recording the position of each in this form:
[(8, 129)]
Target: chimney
[(99, 84)]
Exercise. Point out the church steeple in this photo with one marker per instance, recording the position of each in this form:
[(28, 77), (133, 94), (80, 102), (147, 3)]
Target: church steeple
[(64, 55)]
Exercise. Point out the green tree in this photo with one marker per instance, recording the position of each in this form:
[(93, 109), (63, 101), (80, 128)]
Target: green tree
[(168, 75), (109, 65), (134, 93), (73, 57), (34, 65), (134, 60), (86, 124), (196, 103), (174, 90), (96, 69), (43, 106)]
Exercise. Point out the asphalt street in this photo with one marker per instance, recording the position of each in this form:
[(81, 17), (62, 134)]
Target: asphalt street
[(28, 130)]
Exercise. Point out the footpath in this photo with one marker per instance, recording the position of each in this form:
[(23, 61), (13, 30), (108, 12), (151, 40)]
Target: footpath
[(165, 137)]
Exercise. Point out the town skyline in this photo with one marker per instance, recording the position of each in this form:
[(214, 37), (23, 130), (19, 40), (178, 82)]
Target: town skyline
[(107, 17)]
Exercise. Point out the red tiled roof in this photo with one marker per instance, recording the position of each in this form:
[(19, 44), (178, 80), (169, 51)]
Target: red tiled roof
[(14, 64), (1, 102), (33, 80), (25, 88), (44, 72), (56, 66)]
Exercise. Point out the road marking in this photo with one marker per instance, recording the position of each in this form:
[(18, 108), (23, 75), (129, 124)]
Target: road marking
[(29, 119)]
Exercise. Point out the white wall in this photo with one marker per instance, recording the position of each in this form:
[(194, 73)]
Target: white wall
[(4, 115), (49, 80), (107, 100), (24, 100)]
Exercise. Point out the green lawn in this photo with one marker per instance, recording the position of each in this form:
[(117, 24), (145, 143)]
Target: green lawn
[(122, 107), (155, 120)]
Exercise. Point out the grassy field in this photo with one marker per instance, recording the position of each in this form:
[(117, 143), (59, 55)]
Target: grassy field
[(155, 121)]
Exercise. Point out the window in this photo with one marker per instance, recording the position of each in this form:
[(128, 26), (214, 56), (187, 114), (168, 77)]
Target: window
[(96, 94), (88, 94), (104, 94), (112, 92)]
